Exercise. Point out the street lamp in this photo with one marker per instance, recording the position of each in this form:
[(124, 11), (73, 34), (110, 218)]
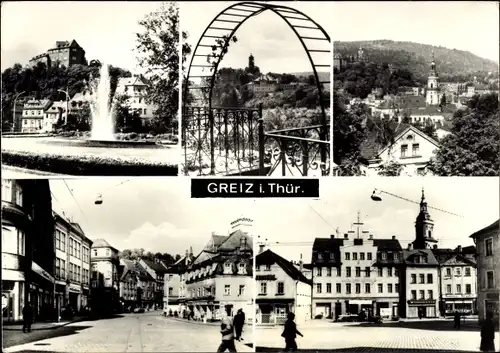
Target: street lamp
[(67, 105), (14, 115), (377, 196)]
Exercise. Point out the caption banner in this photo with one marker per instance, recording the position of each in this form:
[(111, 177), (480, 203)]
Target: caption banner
[(254, 188)]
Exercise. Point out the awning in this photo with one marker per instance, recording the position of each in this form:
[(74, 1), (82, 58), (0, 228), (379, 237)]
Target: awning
[(40, 271), (274, 300), (360, 302)]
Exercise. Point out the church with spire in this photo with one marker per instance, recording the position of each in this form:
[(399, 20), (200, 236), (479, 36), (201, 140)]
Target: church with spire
[(433, 92)]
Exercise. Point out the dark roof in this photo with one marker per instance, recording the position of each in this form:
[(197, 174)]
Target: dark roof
[(156, 266), (269, 257), (233, 241), (327, 245), (387, 244), (142, 273), (371, 147), (494, 227), (408, 255)]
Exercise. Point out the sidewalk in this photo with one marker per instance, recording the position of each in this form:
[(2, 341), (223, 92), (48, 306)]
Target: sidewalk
[(209, 323), (38, 326)]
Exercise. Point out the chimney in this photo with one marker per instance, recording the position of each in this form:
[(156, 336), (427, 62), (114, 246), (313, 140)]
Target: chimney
[(261, 248), (346, 236), (434, 246), (410, 246), (191, 250), (393, 237), (332, 236), (370, 237), (459, 248), (301, 264), (187, 253)]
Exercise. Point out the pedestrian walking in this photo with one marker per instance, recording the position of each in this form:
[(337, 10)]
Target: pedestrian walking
[(239, 321), (488, 334), (227, 332), (456, 319), (27, 317), (290, 333), (420, 314)]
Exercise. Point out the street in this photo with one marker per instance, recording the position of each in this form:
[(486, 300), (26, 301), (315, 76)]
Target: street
[(149, 332), (415, 337)]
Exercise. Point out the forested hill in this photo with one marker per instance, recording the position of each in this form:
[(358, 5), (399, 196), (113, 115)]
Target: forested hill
[(452, 64)]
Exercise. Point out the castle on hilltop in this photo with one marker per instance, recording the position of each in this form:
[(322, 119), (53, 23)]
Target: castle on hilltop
[(64, 53), (340, 61)]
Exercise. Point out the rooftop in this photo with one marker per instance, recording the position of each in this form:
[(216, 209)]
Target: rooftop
[(101, 243), (270, 257)]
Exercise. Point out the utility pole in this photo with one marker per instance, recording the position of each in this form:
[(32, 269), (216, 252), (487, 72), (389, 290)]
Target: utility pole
[(67, 104), (358, 224)]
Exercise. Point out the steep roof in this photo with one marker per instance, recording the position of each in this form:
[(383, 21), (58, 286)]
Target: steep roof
[(387, 244), (233, 241), (416, 131), (409, 254), (495, 226), (269, 257), (327, 245), (370, 147), (156, 266), (142, 273), (101, 243)]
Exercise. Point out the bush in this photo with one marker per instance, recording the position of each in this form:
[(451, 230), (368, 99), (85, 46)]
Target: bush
[(85, 165)]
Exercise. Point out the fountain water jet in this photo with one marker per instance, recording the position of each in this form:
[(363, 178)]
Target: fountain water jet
[(103, 122)]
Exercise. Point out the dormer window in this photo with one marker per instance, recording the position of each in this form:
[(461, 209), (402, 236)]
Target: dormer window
[(396, 256), (384, 256), (320, 256), (331, 256), (242, 268)]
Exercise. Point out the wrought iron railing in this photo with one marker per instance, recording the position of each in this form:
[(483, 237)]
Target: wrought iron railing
[(232, 141), (220, 140), (302, 151)]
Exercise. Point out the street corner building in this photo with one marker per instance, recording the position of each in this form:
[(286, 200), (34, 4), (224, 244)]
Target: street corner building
[(488, 264), (360, 272), (28, 254), (283, 286), (218, 279)]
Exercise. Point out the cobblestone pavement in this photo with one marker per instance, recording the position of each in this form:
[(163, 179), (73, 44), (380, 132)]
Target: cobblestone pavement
[(338, 337), (147, 332)]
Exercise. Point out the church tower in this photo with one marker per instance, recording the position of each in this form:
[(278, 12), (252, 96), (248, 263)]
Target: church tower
[(433, 91), (424, 227)]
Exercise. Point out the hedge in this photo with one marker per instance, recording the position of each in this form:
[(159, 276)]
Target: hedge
[(86, 165)]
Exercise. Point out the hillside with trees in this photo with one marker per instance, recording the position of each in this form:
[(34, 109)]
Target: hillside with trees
[(453, 65)]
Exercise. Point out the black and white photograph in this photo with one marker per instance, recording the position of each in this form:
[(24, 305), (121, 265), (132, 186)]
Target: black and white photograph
[(256, 88), (124, 265), (380, 264), (90, 93), (416, 88)]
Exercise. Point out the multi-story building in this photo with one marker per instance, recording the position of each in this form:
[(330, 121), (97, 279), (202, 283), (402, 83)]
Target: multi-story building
[(136, 91), (174, 292), (128, 283), (27, 249), (64, 53), (354, 273), (221, 276), (146, 285), (104, 261), (420, 279), (72, 264), (56, 111), (457, 280), (282, 287), (488, 270), (33, 115), (157, 270)]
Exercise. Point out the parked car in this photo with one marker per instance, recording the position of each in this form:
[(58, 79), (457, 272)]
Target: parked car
[(139, 310), (348, 318)]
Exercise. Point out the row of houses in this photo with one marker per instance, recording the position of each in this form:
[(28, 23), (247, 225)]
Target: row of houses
[(358, 271), (42, 115)]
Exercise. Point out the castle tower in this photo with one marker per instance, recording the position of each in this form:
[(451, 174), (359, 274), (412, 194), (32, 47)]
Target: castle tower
[(361, 54), (251, 62), (433, 92), (424, 227)]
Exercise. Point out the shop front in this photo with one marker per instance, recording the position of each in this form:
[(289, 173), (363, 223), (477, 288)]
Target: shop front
[(41, 293), (12, 295), (492, 305), (75, 295), (425, 308), (273, 311), (355, 306), (462, 305)]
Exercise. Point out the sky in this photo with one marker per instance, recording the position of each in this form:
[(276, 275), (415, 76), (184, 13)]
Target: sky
[(267, 37), (463, 25), (290, 227), (30, 28), (156, 214)]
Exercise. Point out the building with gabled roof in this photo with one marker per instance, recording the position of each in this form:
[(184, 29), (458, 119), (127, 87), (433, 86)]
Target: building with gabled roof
[(282, 287), (220, 278), (157, 270), (411, 148), (135, 88), (104, 264), (64, 53), (355, 272)]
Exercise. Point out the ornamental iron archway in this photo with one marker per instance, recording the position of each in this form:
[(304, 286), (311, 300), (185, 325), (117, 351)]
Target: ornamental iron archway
[(232, 140)]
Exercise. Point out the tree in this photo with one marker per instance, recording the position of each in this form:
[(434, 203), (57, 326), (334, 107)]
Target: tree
[(391, 168), (159, 55), (126, 119), (443, 101), (472, 148)]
